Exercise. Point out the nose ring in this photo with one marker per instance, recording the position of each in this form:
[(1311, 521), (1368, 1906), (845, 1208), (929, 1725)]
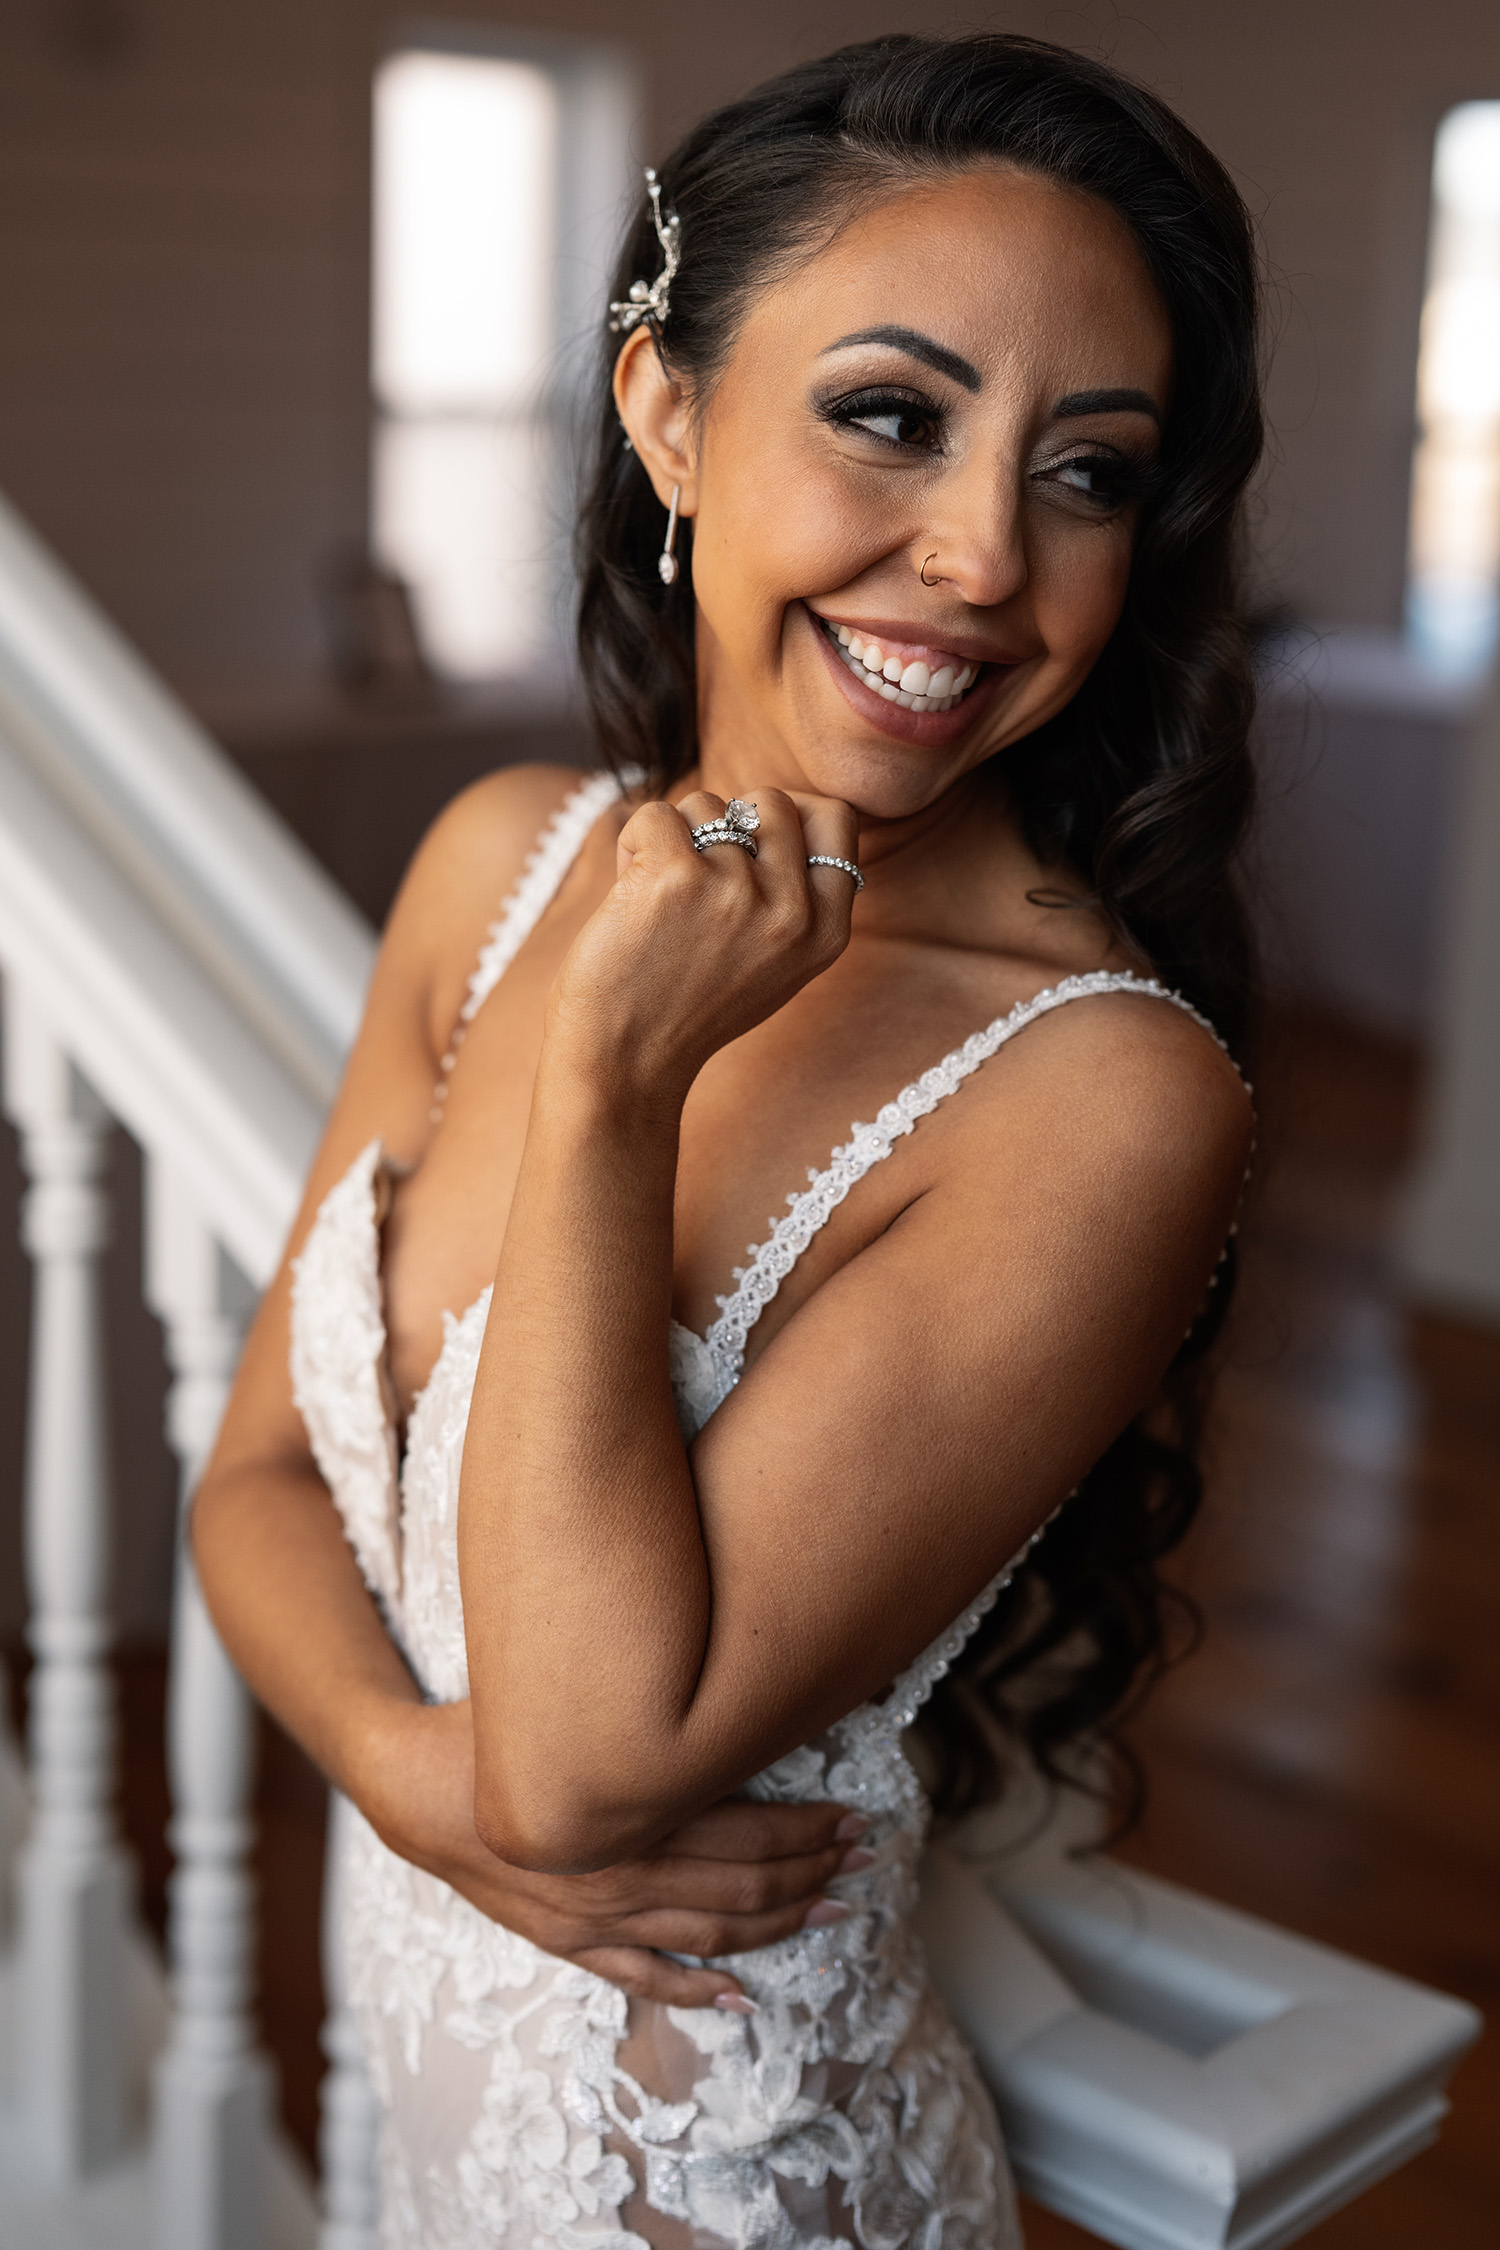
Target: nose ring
[(922, 573)]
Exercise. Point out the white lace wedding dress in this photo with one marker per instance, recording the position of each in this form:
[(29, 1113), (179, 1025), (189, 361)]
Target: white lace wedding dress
[(527, 2103)]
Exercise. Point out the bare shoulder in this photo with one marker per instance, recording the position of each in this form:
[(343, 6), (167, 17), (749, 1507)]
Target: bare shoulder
[(476, 848), (465, 866), (1121, 1093)]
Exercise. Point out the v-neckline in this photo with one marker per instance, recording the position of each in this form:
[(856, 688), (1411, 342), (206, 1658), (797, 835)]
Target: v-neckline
[(808, 1209), (384, 1177)]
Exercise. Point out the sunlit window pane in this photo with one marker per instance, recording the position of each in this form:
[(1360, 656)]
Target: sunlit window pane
[(465, 205), (463, 333), (463, 513), (1455, 519)]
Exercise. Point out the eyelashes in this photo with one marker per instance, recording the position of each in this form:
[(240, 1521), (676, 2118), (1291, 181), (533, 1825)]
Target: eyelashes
[(901, 421), (1104, 480)]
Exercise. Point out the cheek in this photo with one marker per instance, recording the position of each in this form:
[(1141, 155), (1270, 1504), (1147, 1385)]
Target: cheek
[(1079, 590), (770, 533)]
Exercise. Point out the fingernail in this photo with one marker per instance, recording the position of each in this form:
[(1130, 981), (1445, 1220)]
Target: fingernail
[(827, 1910), (736, 2004), (852, 1862), (853, 1824)]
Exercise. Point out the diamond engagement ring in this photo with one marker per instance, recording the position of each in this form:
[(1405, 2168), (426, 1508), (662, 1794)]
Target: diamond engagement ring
[(736, 825), (827, 859)]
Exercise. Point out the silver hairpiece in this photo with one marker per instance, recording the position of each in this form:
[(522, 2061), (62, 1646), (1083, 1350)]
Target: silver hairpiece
[(652, 301)]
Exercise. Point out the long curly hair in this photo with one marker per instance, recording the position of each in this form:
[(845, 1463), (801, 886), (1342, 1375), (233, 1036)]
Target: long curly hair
[(1142, 785)]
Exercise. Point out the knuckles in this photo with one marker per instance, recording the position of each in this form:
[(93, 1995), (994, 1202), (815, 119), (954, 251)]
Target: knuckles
[(752, 1891)]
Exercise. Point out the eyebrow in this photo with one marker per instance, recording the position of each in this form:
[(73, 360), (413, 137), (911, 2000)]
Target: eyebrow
[(916, 346), (1106, 402)]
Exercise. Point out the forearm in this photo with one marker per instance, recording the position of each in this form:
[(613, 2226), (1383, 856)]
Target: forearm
[(287, 1599), (586, 1587)]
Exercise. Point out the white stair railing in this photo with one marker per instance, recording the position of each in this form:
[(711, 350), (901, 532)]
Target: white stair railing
[(73, 1882), (173, 960), (213, 2089)]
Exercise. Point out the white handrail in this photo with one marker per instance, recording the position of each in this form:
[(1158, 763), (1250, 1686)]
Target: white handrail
[(161, 802), (174, 951)]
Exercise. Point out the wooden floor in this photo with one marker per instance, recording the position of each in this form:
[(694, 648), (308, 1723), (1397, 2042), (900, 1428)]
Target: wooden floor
[(1329, 1759)]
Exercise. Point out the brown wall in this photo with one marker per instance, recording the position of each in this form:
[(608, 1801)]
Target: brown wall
[(182, 269)]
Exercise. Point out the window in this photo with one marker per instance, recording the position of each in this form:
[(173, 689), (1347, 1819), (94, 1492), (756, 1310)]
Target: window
[(498, 175), (1453, 597)]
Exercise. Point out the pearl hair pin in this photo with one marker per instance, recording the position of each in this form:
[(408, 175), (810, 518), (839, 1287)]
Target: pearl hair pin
[(652, 300)]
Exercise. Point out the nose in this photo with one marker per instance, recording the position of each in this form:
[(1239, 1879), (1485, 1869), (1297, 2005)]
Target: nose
[(974, 536)]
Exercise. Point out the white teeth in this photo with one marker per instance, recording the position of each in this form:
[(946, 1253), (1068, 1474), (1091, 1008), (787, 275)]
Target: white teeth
[(913, 688)]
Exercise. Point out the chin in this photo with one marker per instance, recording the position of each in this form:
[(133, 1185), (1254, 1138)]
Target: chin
[(882, 780)]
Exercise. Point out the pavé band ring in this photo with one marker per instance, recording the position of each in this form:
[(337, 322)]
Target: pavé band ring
[(715, 832), (827, 859)]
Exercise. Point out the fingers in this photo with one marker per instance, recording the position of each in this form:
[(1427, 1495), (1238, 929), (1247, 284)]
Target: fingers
[(702, 805), (829, 825), (655, 833), (714, 1936), (650, 1976), (737, 1828), (729, 1886)]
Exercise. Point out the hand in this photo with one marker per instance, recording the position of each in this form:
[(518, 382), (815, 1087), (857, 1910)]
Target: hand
[(738, 1876), (691, 949)]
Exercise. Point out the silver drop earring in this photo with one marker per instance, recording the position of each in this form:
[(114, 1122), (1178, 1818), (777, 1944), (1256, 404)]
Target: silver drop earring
[(667, 561)]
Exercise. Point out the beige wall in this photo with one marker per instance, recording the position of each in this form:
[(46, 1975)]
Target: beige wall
[(182, 268)]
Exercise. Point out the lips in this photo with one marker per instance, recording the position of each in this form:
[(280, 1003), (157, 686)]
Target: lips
[(926, 721), (915, 676)]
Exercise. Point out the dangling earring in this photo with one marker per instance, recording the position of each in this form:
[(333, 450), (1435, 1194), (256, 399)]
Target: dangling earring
[(667, 561)]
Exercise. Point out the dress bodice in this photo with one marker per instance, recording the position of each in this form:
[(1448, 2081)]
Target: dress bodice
[(716, 2143)]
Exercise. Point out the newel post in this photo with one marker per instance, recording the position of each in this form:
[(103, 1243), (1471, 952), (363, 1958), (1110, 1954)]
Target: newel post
[(74, 1882), (212, 2113)]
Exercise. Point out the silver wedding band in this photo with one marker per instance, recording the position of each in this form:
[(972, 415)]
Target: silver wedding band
[(827, 859)]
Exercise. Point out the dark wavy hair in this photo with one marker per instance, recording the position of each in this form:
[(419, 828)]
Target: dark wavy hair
[(1142, 785)]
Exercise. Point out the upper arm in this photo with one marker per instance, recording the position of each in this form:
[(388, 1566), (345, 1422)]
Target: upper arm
[(468, 861), (927, 1408)]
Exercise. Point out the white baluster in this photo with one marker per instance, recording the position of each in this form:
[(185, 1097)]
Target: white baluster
[(212, 2115), (73, 1879), (350, 2123)]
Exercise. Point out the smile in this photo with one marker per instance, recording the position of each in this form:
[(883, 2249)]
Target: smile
[(915, 684)]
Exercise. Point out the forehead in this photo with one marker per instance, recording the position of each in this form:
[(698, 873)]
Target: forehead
[(1018, 274)]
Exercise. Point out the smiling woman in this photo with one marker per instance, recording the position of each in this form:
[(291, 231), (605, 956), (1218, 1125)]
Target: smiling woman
[(610, 1598)]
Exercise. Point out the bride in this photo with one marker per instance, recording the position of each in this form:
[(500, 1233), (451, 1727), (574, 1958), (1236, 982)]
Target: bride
[(607, 1565)]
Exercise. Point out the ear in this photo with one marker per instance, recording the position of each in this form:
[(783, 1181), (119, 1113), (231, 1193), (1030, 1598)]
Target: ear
[(654, 411)]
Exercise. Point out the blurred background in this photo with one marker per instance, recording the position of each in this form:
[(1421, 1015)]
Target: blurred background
[(296, 315)]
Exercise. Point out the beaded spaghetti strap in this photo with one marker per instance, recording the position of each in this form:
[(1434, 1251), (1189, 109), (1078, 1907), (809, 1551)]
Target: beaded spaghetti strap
[(540, 881), (813, 1206)]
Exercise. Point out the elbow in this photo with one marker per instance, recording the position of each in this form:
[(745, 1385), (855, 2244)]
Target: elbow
[(550, 1827)]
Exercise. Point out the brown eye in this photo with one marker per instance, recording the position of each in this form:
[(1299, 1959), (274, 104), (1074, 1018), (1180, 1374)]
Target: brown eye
[(905, 428), (907, 425)]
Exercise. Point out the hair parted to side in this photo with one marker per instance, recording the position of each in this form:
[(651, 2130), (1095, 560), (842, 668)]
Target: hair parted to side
[(1142, 784)]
